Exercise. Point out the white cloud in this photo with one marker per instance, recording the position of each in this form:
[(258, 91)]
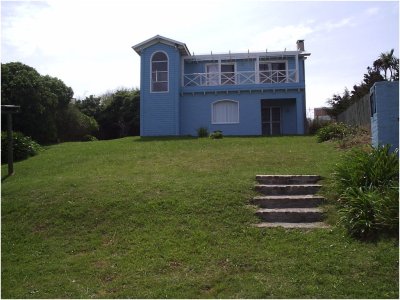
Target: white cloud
[(279, 38)]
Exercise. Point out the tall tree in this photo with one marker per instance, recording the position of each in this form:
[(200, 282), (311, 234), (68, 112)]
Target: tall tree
[(387, 61), (45, 104)]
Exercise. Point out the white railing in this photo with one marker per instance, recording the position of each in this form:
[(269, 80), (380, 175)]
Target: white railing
[(245, 77)]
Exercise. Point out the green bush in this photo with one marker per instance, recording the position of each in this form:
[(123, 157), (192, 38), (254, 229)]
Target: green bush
[(216, 134), (202, 132), (316, 124), (23, 147), (334, 131), (366, 183)]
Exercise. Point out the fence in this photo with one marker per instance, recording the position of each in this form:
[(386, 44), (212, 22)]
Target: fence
[(358, 114)]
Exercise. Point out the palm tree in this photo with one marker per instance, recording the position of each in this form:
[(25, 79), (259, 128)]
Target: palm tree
[(387, 61)]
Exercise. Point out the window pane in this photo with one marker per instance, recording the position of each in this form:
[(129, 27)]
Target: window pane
[(264, 67), (212, 68), (160, 76), (276, 128), (160, 86), (159, 56), (227, 68), (160, 66), (265, 114), (228, 74), (278, 66), (276, 114)]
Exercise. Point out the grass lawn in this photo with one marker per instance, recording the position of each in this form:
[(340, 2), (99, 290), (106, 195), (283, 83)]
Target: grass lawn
[(169, 218)]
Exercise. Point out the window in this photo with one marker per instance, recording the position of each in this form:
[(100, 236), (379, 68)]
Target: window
[(159, 72), (227, 74), (223, 76), (212, 74), (272, 72), (225, 112)]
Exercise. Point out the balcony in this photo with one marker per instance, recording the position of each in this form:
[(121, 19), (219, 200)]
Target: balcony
[(240, 78)]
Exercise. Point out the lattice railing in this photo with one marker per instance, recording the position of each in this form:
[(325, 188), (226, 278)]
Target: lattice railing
[(236, 78)]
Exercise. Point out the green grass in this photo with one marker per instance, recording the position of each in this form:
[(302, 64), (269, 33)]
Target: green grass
[(170, 218)]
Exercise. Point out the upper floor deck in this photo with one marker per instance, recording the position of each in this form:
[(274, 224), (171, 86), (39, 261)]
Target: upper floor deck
[(169, 65), (250, 70)]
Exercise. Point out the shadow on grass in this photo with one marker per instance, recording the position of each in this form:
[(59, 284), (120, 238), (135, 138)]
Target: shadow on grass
[(4, 177), (190, 137), (165, 138)]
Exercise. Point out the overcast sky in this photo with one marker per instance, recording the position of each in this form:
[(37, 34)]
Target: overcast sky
[(87, 44)]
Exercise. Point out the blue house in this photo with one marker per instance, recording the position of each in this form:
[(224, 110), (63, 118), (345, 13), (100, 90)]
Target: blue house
[(248, 93)]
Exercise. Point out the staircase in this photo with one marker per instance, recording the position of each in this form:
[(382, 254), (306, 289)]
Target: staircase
[(289, 201)]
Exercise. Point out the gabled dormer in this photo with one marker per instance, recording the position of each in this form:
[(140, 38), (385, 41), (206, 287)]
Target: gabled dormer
[(160, 80), (183, 49)]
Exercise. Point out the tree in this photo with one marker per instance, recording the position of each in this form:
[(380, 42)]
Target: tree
[(119, 115), (41, 98), (387, 61), (45, 104), (90, 106), (339, 103), (76, 125)]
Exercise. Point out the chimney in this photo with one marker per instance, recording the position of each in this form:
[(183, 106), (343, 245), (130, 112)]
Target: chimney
[(300, 45)]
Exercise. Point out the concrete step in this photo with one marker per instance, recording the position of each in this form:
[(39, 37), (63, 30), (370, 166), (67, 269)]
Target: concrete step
[(287, 179), (291, 215), (293, 225), (293, 189), (288, 201)]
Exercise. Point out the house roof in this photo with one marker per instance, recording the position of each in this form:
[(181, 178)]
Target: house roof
[(160, 39)]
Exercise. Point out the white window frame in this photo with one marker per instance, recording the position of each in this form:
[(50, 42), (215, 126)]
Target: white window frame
[(151, 72), (225, 100)]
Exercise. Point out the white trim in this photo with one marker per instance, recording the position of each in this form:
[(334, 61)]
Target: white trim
[(254, 55), (225, 100), (160, 39), (151, 72)]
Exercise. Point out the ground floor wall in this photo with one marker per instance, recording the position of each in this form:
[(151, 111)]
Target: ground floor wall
[(197, 111)]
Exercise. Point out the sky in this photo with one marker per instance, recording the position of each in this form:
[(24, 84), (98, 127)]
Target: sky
[(87, 44)]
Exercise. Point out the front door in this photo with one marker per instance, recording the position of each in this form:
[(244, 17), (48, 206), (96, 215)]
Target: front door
[(270, 119)]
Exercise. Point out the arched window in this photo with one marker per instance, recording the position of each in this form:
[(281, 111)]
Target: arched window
[(159, 72), (225, 112)]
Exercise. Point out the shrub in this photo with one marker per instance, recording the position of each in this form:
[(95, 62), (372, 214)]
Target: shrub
[(23, 147), (202, 132), (334, 131), (315, 124), (367, 185), (216, 134), (374, 168)]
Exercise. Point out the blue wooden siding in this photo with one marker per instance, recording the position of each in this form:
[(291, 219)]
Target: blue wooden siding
[(159, 112), (385, 116), (196, 112)]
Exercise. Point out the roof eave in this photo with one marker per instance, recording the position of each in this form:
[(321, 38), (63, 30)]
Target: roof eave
[(160, 39)]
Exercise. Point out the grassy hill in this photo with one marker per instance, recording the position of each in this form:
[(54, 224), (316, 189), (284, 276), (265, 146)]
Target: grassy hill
[(170, 218)]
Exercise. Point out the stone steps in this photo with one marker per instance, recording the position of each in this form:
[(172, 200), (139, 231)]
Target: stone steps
[(289, 201), (288, 189), (288, 179), (291, 215)]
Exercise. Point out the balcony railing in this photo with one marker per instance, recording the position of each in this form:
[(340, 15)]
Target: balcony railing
[(236, 78)]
